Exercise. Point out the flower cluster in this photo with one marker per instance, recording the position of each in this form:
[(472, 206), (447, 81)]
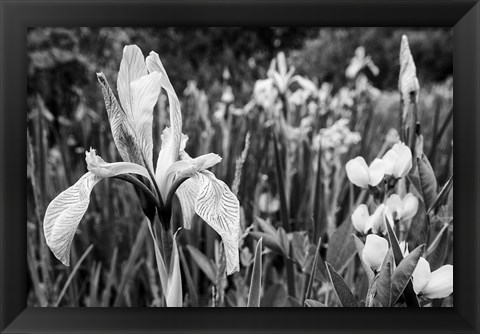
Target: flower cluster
[(394, 165), (338, 136)]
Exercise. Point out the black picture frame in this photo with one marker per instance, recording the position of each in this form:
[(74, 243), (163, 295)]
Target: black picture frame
[(16, 16)]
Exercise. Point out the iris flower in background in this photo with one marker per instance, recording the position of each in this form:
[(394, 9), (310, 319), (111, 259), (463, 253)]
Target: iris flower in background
[(139, 84)]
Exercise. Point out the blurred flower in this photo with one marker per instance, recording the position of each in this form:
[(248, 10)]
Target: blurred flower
[(360, 62), (392, 137), (299, 97), (325, 92), (398, 160), (360, 219), (337, 137), (267, 203), (306, 84), (191, 88), (402, 209), (432, 285), (374, 252), (264, 93), (364, 176), (280, 73), (227, 95), (246, 257), (343, 99)]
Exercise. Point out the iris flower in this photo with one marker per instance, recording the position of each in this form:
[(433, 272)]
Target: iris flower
[(139, 84)]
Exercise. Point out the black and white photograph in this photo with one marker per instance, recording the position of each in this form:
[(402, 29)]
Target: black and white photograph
[(240, 167)]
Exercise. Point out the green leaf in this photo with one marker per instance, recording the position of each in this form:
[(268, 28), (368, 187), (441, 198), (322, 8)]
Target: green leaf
[(192, 290), (438, 249), (409, 294), (266, 226), (442, 196), (384, 284), (300, 247), (256, 281), (360, 245), (314, 303), (427, 181), (343, 292), (313, 271), (403, 273), (341, 248), (283, 240), (174, 295), (203, 262), (269, 241), (284, 212)]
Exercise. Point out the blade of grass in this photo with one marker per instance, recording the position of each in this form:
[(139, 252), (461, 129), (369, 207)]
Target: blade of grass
[(188, 278), (32, 265), (72, 275), (94, 279), (110, 279), (283, 213), (256, 281), (203, 262), (312, 273), (318, 214), (129, 268)]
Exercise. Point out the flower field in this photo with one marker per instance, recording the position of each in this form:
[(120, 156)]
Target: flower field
[(261, 181)]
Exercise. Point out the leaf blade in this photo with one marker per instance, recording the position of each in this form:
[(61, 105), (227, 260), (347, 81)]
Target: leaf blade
[(256, 281), (344, 293)]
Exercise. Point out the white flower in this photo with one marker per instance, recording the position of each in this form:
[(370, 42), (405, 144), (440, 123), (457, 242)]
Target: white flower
[(432, 285), (398, 160), (139, 84), (359, 219), (362, 221), (402, 209), (378, 220), (374, 252), (299, 97), (359, 62), (280, 73), (265, 93), (268, 203), (362, 175)]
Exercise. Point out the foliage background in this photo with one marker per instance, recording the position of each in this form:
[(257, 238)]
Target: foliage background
[(66, 115)]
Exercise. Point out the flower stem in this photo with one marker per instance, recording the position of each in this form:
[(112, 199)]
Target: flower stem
[(129, 178)]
